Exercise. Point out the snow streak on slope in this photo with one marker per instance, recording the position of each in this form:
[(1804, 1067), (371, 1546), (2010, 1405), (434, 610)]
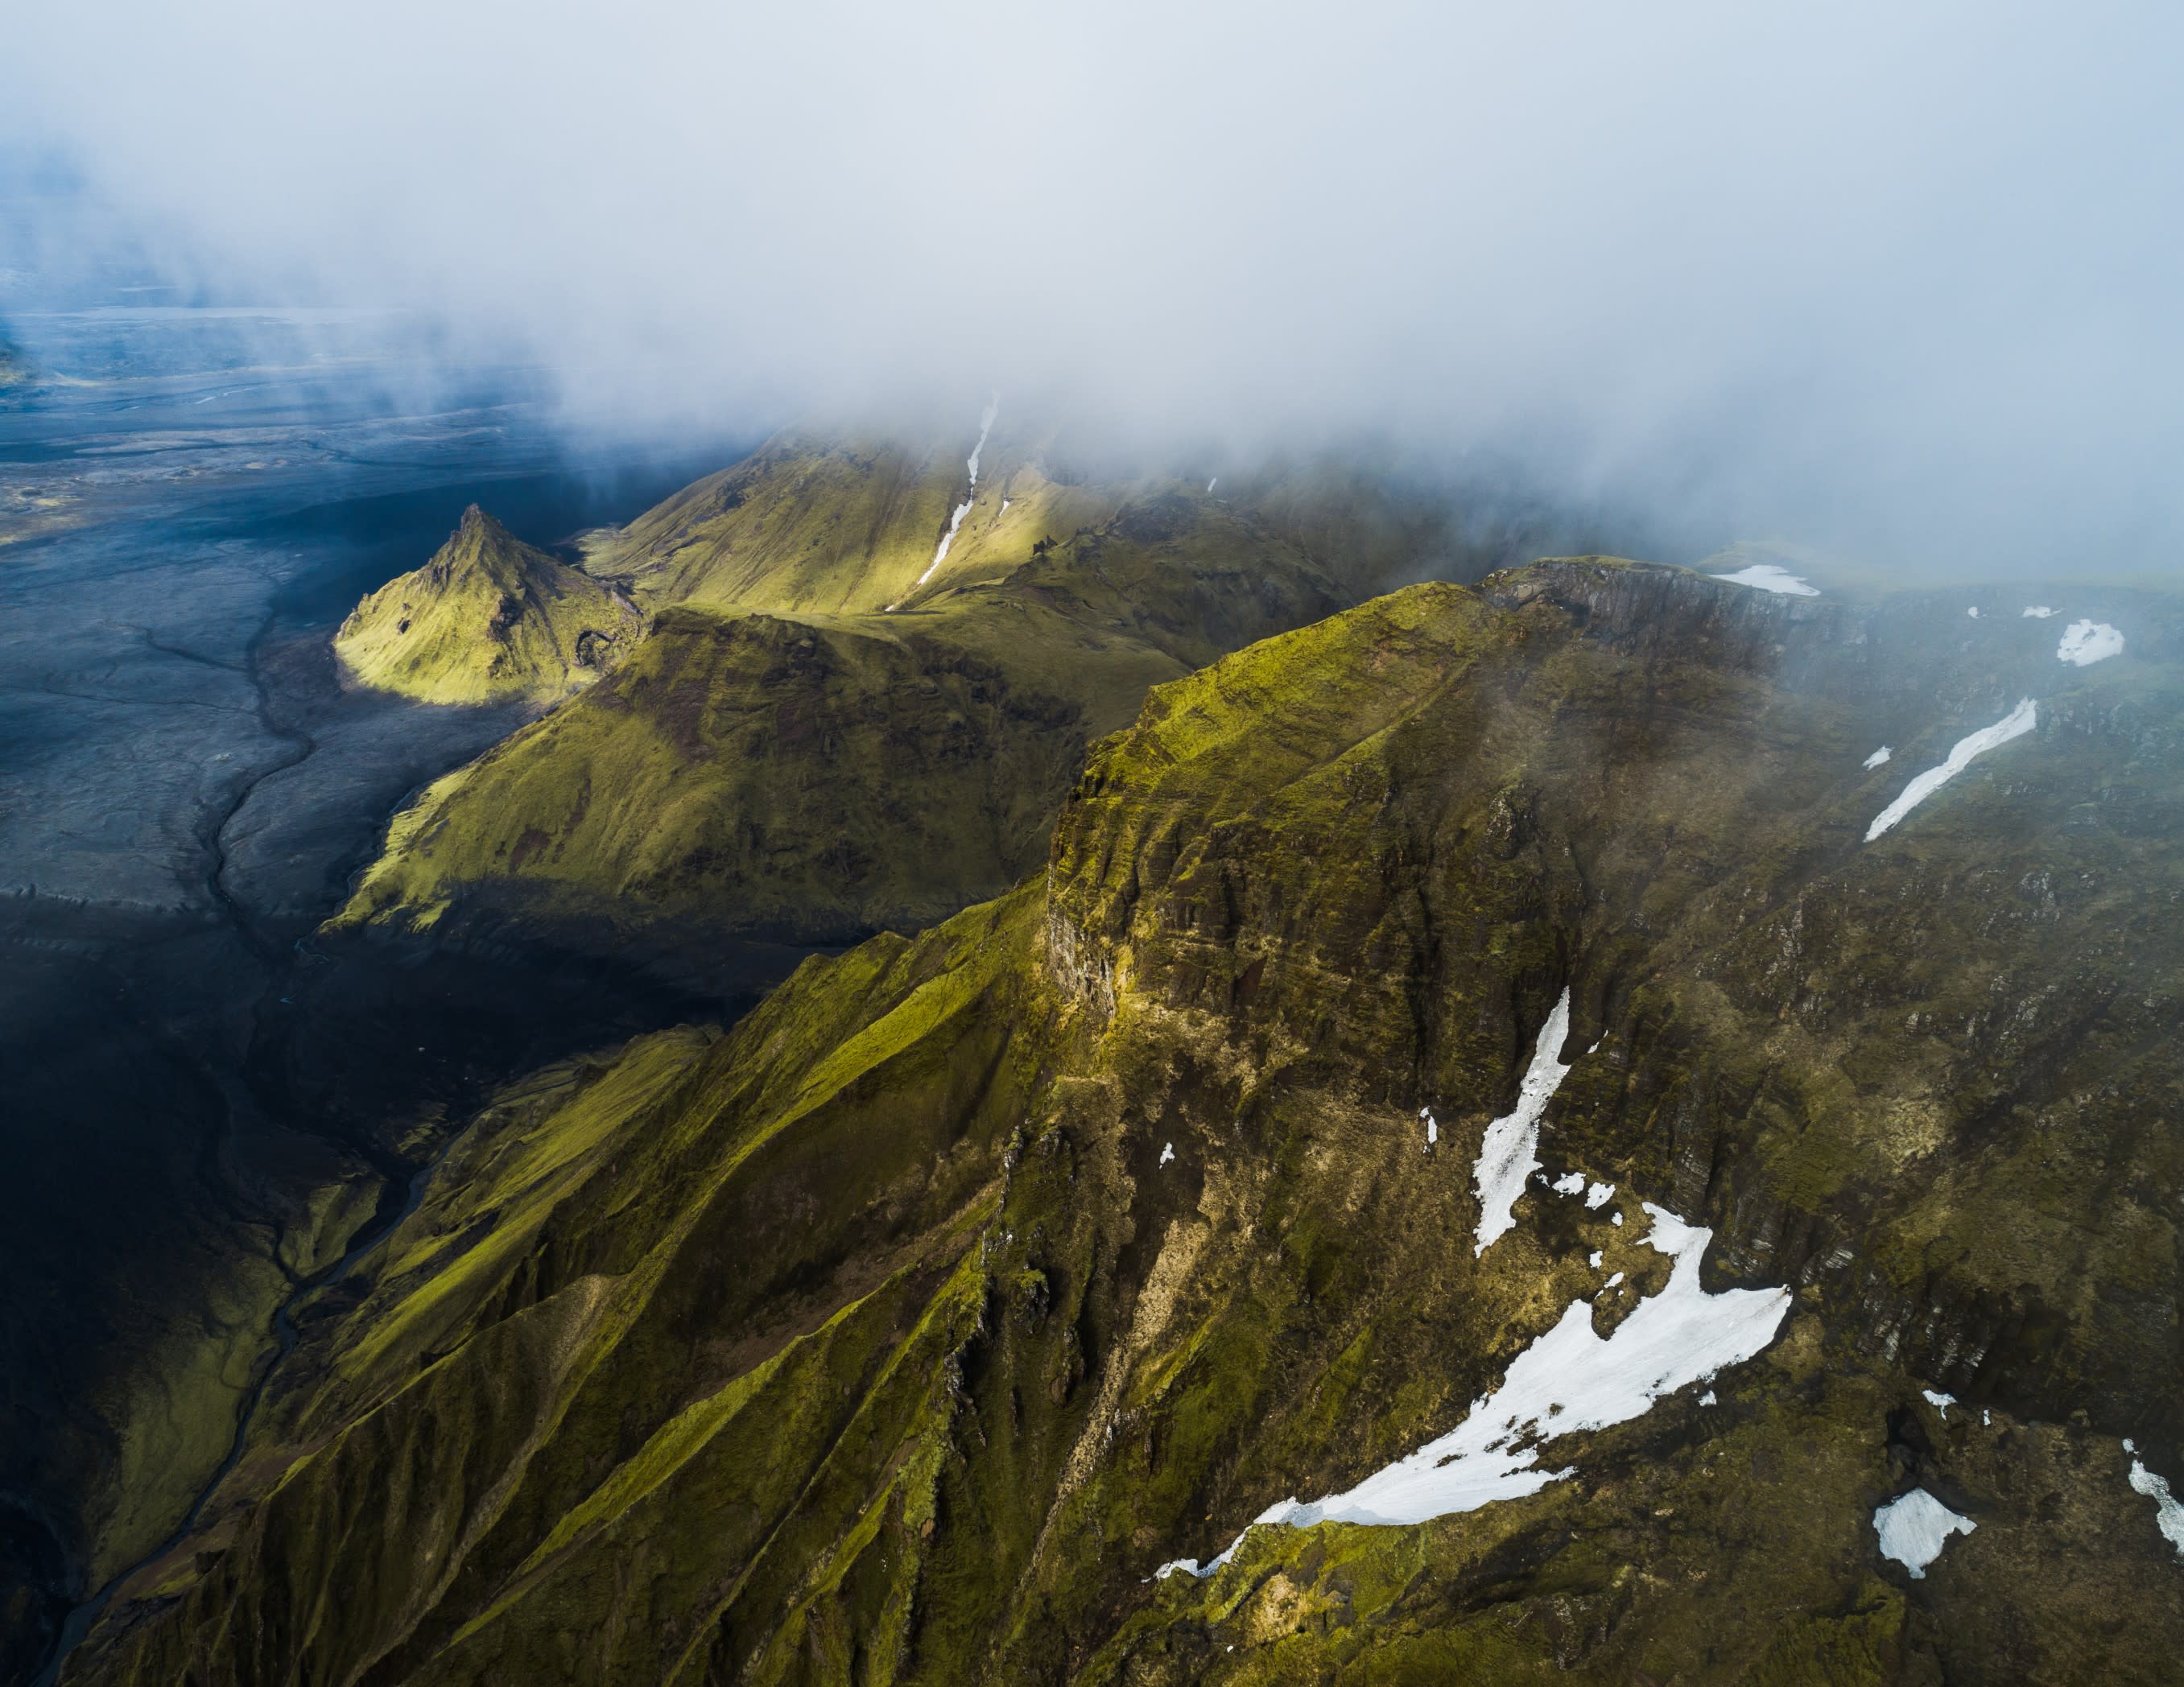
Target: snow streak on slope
[(2018, 721), (1507, 1154), (1765, 576), (956, 521), (1878, 759), (1569, 1379), (1914, 1529)]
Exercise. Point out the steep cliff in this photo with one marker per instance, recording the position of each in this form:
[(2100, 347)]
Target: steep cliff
[(1481, 1006)]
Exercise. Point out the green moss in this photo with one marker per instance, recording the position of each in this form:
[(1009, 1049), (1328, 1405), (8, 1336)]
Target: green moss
[(782, 755), (488, 620), (878, 1339)]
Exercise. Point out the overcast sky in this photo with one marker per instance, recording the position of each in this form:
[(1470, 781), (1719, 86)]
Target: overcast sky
[(1900, 276)]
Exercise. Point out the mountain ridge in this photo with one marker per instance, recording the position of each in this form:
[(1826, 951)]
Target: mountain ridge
[(820, 774), (905, 1331)]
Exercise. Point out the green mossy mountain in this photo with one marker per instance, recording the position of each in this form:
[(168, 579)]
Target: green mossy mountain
[(786, 756), (808, 524), (899, 1333), (488, 620)]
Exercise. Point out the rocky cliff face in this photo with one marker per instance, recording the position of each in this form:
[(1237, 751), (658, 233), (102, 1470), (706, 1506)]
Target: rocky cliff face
[(488, 620), (904, 1332)]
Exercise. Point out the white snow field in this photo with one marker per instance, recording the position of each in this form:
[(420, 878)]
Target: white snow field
[(1914, 1529), (1569, 1378), (2088, 642), (1766, 576)]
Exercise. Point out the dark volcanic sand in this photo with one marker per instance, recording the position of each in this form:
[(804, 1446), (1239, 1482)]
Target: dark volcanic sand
[(201, 1105)]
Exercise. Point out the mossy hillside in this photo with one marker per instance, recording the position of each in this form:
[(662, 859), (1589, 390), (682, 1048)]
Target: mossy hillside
[(761, 774), (823, 776), (917, 1211), (818, 526), (488, 620), (500, 1385)]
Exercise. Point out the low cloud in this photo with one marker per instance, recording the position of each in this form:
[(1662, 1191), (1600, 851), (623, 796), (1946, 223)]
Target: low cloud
[(1897, 279)]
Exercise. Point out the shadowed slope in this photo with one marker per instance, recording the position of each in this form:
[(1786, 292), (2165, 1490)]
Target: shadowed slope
[(899, 1335)]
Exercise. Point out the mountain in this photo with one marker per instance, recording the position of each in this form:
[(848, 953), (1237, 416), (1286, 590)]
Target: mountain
[(812, 524), (1531, 1023), (793, 753), (488, 620)]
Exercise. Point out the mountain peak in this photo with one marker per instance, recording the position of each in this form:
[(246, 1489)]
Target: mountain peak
[(487, 619)]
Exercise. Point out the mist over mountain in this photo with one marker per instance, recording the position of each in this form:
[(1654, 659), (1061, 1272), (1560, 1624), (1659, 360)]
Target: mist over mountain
[(1242, 847), (1892, 280)]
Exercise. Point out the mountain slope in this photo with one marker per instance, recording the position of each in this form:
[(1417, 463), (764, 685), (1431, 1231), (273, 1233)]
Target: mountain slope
[(812, 525), (820, 776), (488, 620), (905, 1331)]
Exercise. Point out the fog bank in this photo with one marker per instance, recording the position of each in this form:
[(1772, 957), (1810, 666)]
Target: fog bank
[(1899, 280)]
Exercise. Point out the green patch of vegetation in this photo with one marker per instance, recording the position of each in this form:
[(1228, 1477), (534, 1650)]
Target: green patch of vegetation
[(488, 620)]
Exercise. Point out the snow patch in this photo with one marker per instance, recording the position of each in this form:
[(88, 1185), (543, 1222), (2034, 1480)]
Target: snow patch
[(1940, 1403), (1433, 1127), (1507, 1152), (1004, 506), (1878, 759), (1615, 1279), (2016, 723), (2168, 1514), (1765, 576), (1209, 486), (2088, 642), (1572, 1183), (1707, 1399), (1593, 1258), (1615, 1218), (1973, 613), (1168, 1153), (1914, 1529), (956, 521), (1599, 1195), (2038, 612), (1569, 1377)]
